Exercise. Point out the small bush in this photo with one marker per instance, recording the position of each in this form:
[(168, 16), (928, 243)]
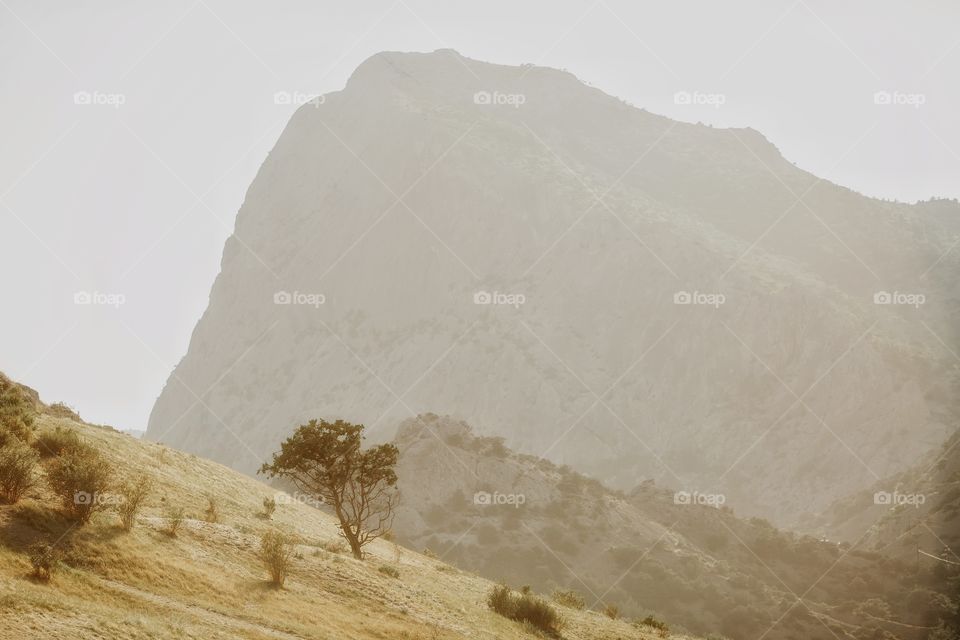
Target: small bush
[(17, 412), (133, 492), (212, 512), (568, 598), (269, 507), (387, 570), (427, 553), (663, 630), (334, 546), (80, 477), (612, 611), (175, 517), (56, 442), (17, 465), (43, 559), (62, 410), (276, 553), (525, 608)]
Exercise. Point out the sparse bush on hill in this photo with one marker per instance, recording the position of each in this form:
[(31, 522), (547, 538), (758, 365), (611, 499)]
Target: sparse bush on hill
[(62, 410), (387, 570), (55, 442), (334, 546), (17, 470), (276, 553), (663, 630), (269, 507), (80, 477), (133, 492), (212, 512), (325, 460), (17, 410), (525, 608), (175, 516), (568, 598), (612, 611), (43, 559)]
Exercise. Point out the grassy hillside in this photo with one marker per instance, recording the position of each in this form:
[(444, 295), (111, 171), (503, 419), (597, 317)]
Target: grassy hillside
[(207, 582)]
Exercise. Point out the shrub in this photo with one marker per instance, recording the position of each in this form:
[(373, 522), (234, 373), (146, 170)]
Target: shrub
[(212, 512), (526, 609), (17, 464), (56, 442), (43, 559), (175, 517), (334, 546), (276, 552), (662, 629), (387, 570), (568, 598), (269, 507), (62, 410), (612, 611), (134, 492), (17, 411), (79, 477)]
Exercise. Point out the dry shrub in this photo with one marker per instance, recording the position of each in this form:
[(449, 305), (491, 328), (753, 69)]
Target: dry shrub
[(80, 477), (17, 465), (133, 492), (568, 598), (55, 442), (525, 608), (212, 512), (276, 553), (43, 559), (175, 516)]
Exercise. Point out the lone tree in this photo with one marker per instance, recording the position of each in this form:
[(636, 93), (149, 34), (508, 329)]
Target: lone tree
[(325, 460)]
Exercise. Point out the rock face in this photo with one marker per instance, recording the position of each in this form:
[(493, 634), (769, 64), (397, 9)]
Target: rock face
[(513, 247)]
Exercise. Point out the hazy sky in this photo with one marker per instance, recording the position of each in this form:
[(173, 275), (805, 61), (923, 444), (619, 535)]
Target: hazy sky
[(134, 193)]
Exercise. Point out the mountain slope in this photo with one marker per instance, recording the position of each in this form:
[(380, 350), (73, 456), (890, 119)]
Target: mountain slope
[(207, 581), (523, 519), (906, 515), (390, 206)]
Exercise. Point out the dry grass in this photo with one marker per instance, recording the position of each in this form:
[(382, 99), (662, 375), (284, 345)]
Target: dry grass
[(209, 581)]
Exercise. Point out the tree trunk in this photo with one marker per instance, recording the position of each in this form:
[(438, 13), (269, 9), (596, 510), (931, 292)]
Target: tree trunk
[(348, 533)]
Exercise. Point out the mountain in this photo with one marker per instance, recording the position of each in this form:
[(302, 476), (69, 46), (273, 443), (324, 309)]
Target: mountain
[(688, 559), (913, 515), (207, 581), (636, 297)]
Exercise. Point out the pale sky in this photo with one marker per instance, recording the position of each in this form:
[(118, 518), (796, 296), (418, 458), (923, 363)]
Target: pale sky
[(135, 193)]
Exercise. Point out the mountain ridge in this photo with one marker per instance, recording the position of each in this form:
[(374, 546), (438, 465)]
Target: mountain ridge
[(504, 199)]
